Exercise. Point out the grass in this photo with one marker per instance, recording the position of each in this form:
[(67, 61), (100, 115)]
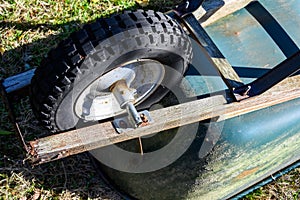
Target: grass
[(286, 187), (28, 30)]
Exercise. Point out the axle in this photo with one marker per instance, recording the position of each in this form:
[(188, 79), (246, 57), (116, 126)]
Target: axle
[(125, 97)]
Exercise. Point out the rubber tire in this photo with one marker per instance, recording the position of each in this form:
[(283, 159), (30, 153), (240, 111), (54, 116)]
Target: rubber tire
[(132, 35)]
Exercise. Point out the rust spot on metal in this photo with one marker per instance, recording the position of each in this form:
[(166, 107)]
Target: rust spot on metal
[(247, 173), (144, 119), (33, 146)]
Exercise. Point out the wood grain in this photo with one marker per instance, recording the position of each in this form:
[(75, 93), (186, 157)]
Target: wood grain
[(104, 134)]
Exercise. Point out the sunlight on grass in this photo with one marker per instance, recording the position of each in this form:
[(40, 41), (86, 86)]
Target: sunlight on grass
[(58, 12), (27, 21), (28, 30)]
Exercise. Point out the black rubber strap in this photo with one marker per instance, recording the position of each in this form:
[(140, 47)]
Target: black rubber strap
[(273, 28)]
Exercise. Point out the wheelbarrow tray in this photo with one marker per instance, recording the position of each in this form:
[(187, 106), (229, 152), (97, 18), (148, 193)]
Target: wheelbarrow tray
[(256, 143)]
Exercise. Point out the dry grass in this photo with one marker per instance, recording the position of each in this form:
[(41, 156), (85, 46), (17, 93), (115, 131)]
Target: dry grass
[(72, 178), (28, 29), (285, 187)]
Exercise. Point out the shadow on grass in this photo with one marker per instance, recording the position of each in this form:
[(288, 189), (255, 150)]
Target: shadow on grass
[(74, 177)]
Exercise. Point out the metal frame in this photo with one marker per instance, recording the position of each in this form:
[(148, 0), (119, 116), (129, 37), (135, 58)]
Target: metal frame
[(237, 89)]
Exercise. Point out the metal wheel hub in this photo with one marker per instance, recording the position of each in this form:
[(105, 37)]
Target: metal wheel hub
[(98, 102)]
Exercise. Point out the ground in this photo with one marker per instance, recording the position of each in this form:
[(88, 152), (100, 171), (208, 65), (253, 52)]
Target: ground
[(28, 30)]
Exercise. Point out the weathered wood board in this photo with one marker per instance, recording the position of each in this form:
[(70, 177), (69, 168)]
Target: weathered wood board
[(89, 138)]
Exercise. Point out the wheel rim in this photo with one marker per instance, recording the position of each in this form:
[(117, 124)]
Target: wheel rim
[(96, 102)]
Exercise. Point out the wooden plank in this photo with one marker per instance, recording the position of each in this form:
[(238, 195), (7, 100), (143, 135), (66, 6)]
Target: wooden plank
[(104, 134), (100, 135)]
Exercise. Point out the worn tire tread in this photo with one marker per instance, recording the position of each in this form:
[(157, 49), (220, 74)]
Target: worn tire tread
[(56, 74)]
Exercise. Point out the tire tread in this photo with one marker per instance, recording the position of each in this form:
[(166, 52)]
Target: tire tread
[(57, 72)]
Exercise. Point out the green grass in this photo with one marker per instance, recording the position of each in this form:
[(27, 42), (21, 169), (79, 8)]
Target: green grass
[(28, 30)]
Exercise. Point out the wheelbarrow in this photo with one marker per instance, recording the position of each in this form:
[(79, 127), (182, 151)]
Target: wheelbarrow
[(176, 105)]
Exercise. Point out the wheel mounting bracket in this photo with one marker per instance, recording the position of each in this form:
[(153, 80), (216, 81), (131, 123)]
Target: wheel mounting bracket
[(124, 124)]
